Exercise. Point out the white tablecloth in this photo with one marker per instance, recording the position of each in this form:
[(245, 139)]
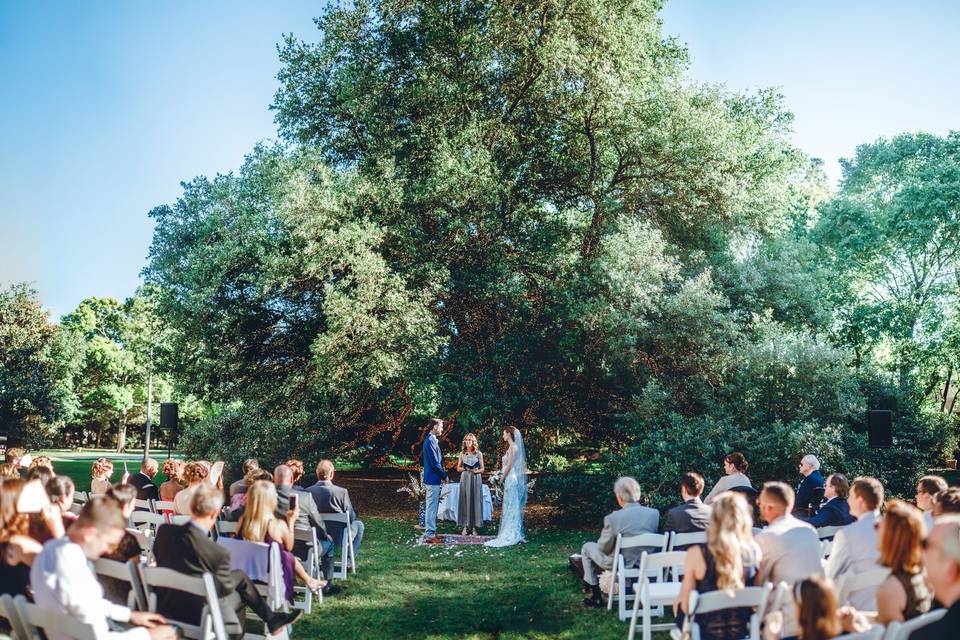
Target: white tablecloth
[(450, 500)]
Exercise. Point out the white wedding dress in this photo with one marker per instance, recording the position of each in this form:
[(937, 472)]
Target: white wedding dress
[(514, 499)]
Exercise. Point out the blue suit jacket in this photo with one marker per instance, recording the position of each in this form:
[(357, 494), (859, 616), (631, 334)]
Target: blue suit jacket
[(433, 472), (833, 513), (805, 491)]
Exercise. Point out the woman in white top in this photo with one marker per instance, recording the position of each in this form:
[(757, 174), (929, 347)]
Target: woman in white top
[(735, 468)]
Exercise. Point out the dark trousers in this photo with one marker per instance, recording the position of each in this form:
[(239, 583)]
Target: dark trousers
[(300, 549)]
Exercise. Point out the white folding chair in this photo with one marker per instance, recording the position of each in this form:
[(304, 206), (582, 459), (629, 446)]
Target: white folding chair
[(311, 563), (249, 557), (163, 506), (346, 545), (902, 630), (34, 619), (828, 532), (227, 528), (8, 610), (178, 519), (668, 569), (686, 539), (211, 625), (873, 633), (80, 496), (700, 603), (147, 521), (75, 508), (622, 575), (122, 571), (850, 583), (143, 504)]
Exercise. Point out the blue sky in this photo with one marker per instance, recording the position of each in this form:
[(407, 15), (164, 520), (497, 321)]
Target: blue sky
[(105, 107)]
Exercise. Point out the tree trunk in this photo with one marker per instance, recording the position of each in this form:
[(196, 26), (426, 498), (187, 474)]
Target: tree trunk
[(946, 389), (99, 435), (122, 434)]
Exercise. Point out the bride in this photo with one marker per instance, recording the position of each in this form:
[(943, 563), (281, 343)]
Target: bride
[(514, 474)]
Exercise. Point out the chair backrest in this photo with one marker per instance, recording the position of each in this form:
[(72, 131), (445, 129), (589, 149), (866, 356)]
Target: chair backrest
[(307, 535), (8, 610), (719, 600), (178, 519), (161, 506), (227, 528), (657, 541), (827, 532), (666, 566), (80, 496), (686, 539), (147, 518), (902, 630), (211, 623), (34, 618), (143, 504), (125, 572), (259, 561), (873, 633), (850, 583)]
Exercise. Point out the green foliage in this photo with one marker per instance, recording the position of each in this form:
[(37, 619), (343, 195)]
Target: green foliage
[(34, 369)]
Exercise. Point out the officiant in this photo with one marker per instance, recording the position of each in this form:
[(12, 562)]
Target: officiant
[(470, 466)]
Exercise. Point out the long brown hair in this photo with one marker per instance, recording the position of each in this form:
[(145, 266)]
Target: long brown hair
[(901, 536), (12, 522), (729, 539), (476, 444), (817, 603)]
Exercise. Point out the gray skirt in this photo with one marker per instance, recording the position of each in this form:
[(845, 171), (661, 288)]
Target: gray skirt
[(470, 508)]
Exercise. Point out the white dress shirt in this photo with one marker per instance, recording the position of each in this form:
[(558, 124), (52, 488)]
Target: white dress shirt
[(62, 581), (855, 551)]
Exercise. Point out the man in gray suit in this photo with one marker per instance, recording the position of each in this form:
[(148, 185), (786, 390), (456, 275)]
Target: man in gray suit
[(333, 499), (630, 520), (790, 548), (692, 515), (855, 546)]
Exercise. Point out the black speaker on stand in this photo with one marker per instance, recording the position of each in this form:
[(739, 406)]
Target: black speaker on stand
[(880, 427), (169, 416)]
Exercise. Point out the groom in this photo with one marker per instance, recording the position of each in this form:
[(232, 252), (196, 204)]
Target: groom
[(433, 477)]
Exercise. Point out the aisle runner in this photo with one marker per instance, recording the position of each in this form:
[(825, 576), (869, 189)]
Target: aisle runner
[(451, 540)]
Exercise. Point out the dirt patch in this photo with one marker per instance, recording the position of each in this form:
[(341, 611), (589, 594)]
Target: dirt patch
[(374, 493)]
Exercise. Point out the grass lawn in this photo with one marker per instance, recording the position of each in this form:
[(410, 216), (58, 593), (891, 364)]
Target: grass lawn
[(403, 591)]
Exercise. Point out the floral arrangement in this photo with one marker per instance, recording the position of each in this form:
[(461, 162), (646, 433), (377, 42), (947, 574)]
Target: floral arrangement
[(415, 487)]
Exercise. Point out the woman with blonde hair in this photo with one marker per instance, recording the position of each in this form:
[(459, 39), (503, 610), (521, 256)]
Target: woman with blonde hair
[(470, 466), (173, 469), (259, 524), (904, 594), (101, 472), (728, 562), (193, 474)]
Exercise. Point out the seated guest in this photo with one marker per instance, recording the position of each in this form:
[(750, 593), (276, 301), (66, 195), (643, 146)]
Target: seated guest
[(143, 480), (333, 499), (259, 523), (116, 590), (188, 548), (42, 462), (240, 486), (298, 469), (790, 548), (14, 455), (309, 517), (927, 488), (729, 561), (941, 559), (173, 469), (735, 468), (41, 473), (194, 473), (904, 595), (239, 500), (60, 490), (855, 546), (9, 471), (101, 471), (947, 501), (818, 616), (835, 512), (17, 547), (62, 581), (631, 519), (693, 515), (810, 489)]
